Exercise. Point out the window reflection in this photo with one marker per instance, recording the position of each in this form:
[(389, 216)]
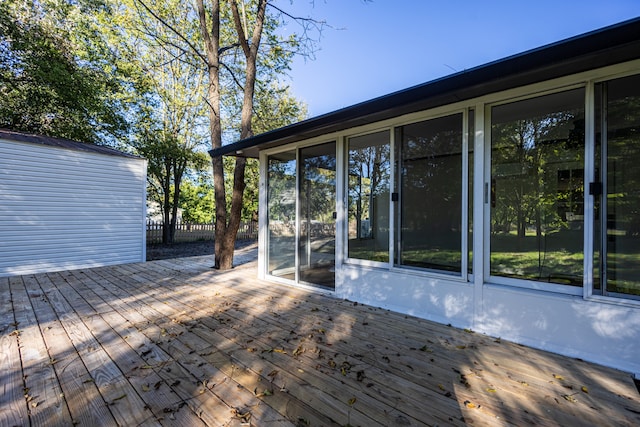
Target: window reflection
[(430, 194), (537, 210), (281, 200), (617, 261), (369, 172), (317, 195)]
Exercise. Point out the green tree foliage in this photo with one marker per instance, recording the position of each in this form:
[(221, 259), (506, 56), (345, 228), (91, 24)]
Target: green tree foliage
[(168, 162), (51, 82), (239, 47), (273, 108), (197, 199), (159, 77), (170, 125)]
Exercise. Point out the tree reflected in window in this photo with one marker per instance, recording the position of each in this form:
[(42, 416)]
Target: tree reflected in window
[(368, 181), (537, 188)]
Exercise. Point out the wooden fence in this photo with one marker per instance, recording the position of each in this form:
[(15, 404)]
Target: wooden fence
[(186, 232)]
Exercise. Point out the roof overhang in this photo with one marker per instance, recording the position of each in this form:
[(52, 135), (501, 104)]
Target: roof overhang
[(607, 46)]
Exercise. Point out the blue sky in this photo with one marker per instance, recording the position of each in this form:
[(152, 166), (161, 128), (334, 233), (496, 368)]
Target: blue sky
[(378, 47)]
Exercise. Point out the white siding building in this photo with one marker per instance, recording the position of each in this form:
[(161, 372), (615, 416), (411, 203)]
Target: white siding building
[(504, 198), (68, 205)]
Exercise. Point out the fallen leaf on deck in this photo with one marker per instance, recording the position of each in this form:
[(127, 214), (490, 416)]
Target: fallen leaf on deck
[(352, 401), (491, 390), (264, 392), (558, 377), (469, 405), (569, 398), (585, 389), (298, 350), (118, 398), (244, 416)]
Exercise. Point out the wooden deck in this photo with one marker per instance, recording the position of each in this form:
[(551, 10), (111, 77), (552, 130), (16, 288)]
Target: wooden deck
[(177, 343)]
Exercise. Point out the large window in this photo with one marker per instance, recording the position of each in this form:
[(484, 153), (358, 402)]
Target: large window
[(537, 189), (617, 252), (430, 194), (369, 172)]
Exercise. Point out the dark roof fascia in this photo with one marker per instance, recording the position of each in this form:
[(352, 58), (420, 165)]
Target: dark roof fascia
[(607, 46), (63, 143)]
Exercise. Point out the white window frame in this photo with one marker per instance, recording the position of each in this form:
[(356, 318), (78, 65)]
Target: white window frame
[(463, 276), (345, 168), (512, 281)]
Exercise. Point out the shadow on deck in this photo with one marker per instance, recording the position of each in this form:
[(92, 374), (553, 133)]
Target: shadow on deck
[(174, 342)]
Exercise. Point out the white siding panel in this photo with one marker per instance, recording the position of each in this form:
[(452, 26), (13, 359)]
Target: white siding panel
[(64, 209)]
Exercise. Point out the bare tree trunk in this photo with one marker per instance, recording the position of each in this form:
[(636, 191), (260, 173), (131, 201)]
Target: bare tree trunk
[(211, 38), (227, 226), (178, 171), (227, 244), (166, 212)]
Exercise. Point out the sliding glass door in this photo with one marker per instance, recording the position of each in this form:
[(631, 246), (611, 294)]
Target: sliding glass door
[(302, 215), (281, 202), (317, 195)]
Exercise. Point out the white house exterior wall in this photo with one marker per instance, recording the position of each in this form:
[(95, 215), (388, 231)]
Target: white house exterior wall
[(66, 209), (575, 322)]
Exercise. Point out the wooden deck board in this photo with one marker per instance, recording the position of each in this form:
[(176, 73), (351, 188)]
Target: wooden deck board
[(45, 400), (119, 395), (13, 406), (189, 375), (174, 342)]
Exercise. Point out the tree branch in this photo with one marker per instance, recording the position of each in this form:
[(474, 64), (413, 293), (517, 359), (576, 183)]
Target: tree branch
[(233, 76), (242, 37), (226, 48), (173, 30)]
